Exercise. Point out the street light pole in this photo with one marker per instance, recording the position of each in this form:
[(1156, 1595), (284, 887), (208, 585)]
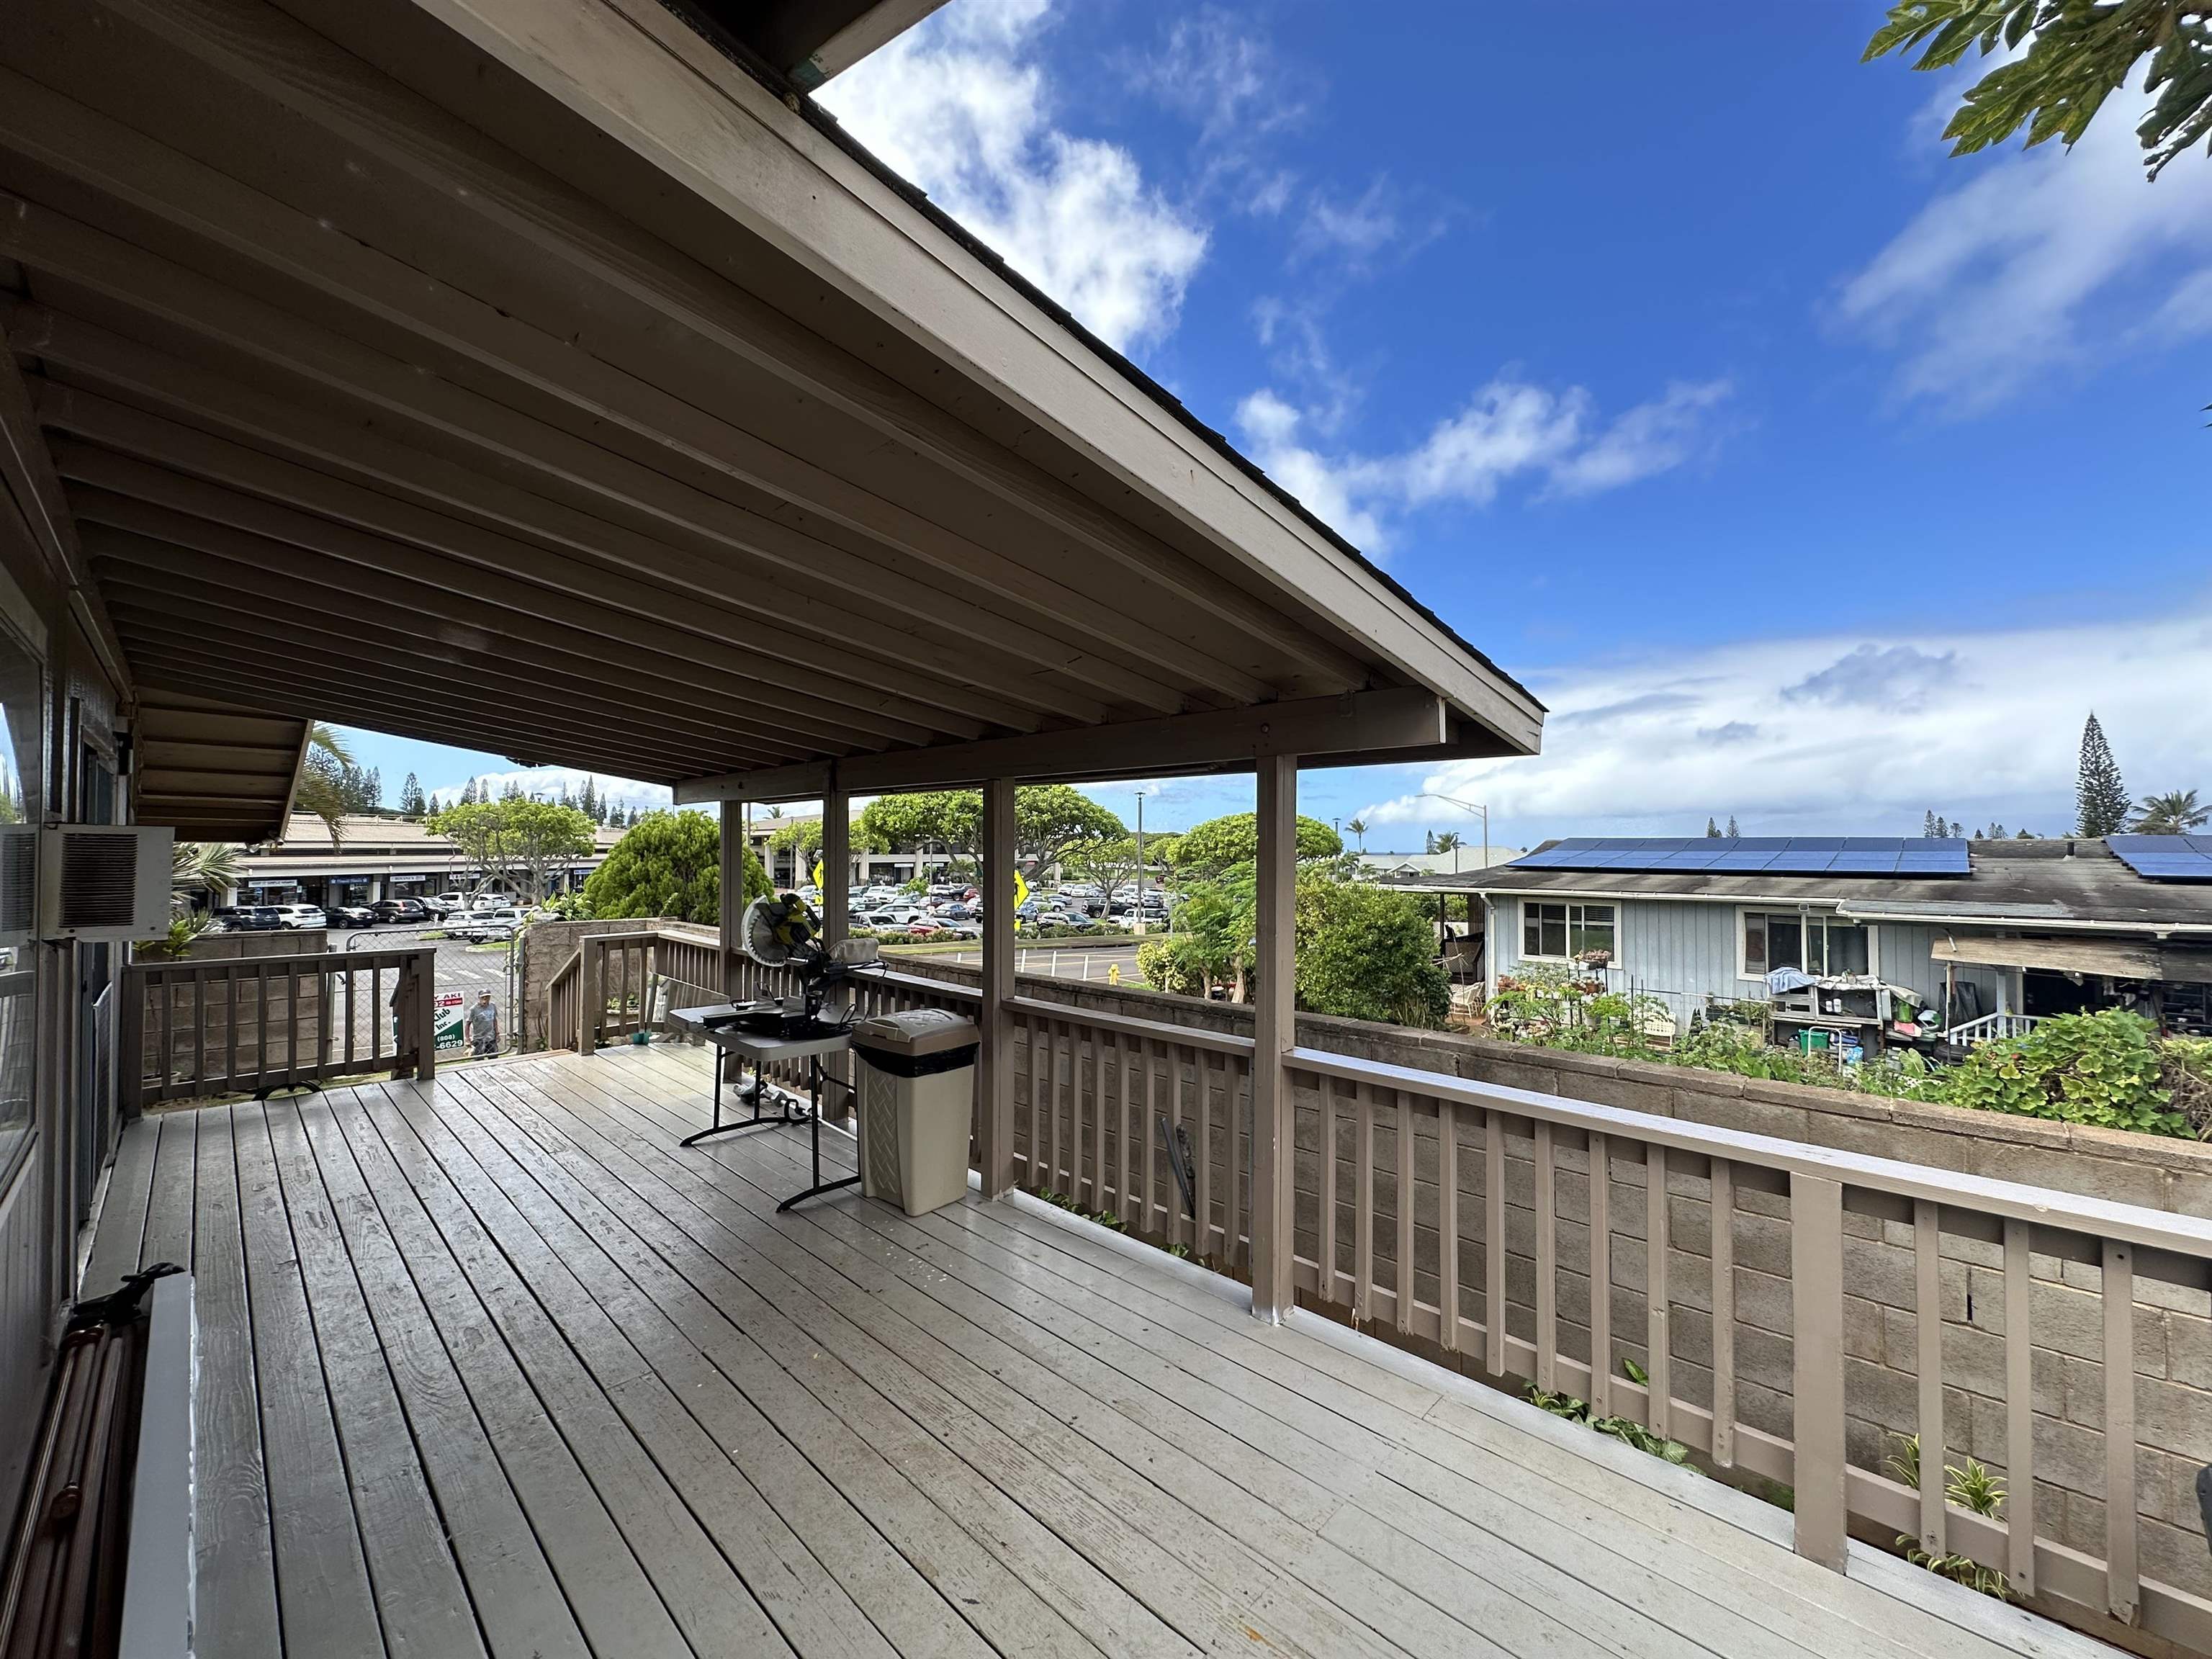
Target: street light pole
[(1470, 807), (1141, 864)]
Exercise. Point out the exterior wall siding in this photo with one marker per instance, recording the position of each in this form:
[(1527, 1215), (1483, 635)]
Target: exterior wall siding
[(1683, 952)]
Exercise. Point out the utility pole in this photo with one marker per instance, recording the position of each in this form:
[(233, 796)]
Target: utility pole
[(1141, 862)]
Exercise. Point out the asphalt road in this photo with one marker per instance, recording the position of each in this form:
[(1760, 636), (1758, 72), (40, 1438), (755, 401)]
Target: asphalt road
[(1067, 959)]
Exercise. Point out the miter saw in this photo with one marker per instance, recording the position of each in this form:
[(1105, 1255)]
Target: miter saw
[(781, 931)]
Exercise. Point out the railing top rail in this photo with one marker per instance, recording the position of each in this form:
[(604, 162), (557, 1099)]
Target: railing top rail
[(1190, 1036), (647, 936), (2099, 1218), (319, 961)]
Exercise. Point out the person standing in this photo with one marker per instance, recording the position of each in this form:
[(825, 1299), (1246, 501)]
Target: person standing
[(483, 1027)]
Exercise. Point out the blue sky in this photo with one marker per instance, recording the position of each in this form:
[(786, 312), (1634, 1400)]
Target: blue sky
[(1808, 473)]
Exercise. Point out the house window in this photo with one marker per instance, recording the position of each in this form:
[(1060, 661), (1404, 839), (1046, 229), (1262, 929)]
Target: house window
[(1820, 944), (1559, 930)]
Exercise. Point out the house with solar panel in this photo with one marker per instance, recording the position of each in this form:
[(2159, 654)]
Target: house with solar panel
[(1863, 943)]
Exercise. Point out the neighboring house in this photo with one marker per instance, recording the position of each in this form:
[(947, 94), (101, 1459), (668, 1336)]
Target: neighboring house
[(375, 857), (2021, 929), (1459, 861)]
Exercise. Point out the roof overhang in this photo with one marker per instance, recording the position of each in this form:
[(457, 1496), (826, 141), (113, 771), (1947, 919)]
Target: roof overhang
[(809, 41), (212, 772), (531, 376)]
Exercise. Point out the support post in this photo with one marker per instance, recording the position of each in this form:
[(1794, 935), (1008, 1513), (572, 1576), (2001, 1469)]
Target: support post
[(836, 915), (735, 816), (1816, 1321), (994, 1084), (1274, 1141), (591, 997), (426, 1015)]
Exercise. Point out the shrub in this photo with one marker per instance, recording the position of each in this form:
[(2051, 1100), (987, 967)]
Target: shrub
[(2102, 1069)]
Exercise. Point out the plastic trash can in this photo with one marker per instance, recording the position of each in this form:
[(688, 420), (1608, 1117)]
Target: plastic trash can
[(916, 1074)]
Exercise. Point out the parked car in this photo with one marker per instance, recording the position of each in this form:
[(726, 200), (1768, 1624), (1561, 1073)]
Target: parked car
[(297, 916), (488, 926), (951, 929), (246, 918), (348, 915), (411, 912), (445, 904)]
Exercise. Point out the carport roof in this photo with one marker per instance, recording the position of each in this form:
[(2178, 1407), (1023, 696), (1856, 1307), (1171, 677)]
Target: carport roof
[(525, 374)]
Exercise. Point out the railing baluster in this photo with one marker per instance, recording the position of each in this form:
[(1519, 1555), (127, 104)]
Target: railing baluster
[(1040, 1033), (1127, 1204), (1816, 1323), (1600, 1245), (1149, 1129), (230, 1024), (1547, 1262), (1448, 1225), (1657, 1415), (291, 1024), (1201, 1075), (1325, 1236), (1052, 1163), (1928, 1323), (1404, 1104), (168, 1039), (376, 1012), (2121, 1592), (199, 1024), (1097, 1120), (1723, 1300), (1363, 1215), (2019, 1414), (1493, 1239)]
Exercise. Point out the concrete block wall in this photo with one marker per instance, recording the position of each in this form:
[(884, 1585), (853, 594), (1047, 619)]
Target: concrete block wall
[(2172, 1358)]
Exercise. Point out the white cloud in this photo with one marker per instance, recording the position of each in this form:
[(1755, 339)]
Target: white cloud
[(2045, 257), (1222, 72), (959, 106), (1509, 430), (1850, 735)]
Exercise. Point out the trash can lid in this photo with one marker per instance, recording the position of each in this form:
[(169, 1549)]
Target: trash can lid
[(916, 1031)]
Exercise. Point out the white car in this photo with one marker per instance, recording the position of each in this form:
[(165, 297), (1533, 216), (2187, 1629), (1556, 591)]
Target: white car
[(300, 915), (500, 922), (445, 904)]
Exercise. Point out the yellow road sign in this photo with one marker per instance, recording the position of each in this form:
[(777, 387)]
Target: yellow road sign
[(1021, 891)]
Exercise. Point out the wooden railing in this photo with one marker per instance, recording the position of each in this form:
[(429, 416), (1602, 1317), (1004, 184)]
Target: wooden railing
[(1991, 1028), (243, 1024), (1465, 1215)]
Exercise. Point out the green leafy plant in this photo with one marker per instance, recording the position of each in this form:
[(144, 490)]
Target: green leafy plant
[(1972, 1486), (1627, 1430), (2101, 1068)]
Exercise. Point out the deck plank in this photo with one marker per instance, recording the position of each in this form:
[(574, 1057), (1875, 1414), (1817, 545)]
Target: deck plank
[(324, 1601), (1090, 1607), (236, 1609), (716, 1309), (1239, 1585), (670, 1529), (546, 1437), (1108, 1439), (518, 1601), (421, 1601), (167, 1235), (122, 1224)]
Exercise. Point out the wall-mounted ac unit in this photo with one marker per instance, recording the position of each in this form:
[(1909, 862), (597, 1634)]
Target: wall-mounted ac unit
[(100, 881)]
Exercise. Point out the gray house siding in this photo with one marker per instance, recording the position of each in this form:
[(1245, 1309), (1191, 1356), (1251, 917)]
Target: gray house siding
[(1685, 951)]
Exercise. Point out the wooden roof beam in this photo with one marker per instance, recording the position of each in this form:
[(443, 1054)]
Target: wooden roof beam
[(1355, 729)]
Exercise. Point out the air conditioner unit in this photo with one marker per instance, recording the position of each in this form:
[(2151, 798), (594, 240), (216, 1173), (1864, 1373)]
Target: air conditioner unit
[(99, 881)]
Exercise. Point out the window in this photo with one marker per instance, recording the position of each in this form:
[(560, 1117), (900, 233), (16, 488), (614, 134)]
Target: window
[(1821, 944), (1559, 930)]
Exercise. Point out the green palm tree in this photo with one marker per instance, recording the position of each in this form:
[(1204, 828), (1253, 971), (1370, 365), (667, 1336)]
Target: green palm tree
[(2175, 813), (318, 793), (1358, 827), (1447, 840)]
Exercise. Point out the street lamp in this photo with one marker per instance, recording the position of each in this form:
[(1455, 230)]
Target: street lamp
[(1466, 805)]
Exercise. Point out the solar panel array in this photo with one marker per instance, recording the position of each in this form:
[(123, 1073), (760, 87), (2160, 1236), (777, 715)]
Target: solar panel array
[(2165, 858), (1775, 855)]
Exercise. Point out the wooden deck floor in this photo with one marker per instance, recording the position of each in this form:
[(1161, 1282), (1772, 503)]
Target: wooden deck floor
[(491, 1367)]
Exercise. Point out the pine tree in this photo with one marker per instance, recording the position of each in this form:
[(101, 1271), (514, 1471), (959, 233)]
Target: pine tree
[(1733, 834), (1929, 827), (412, 804), (1712, 830), (372, 791), (2101, 799)]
